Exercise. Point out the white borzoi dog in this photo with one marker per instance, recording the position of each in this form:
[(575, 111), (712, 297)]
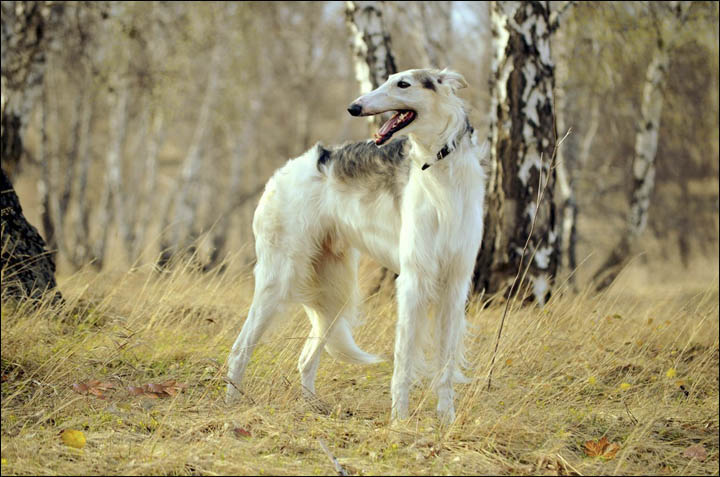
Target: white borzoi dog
[(415, 205)]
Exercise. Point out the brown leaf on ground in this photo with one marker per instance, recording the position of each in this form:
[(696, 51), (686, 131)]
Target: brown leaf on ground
[(602, 448), (94, 387), (136, 390), (157, 390), (696, 452), (240, 432)]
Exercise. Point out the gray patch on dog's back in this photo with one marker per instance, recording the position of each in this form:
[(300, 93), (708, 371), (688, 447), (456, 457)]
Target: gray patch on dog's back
[(366, 165)]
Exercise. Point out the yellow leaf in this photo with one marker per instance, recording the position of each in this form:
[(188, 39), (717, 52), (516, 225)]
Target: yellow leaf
[(4, 461), (73, 438), (508, 362), (592, 380), (670, 373), (601, 448), (625, 386)]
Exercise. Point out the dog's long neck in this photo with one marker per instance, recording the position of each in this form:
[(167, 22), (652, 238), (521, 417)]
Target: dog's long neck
[(427, 147)]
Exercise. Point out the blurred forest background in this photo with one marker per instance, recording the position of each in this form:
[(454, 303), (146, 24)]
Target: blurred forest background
[(155, 112)]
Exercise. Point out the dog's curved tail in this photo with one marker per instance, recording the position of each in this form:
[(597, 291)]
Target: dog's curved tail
[(341, 345)]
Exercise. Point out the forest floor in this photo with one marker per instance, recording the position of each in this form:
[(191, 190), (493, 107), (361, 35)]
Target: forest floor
[(637, 365)]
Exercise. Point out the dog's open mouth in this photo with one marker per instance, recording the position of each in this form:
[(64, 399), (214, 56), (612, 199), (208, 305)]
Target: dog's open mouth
[(398, 121)]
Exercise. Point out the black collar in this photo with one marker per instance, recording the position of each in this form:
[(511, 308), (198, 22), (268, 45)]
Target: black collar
[(447, 149)]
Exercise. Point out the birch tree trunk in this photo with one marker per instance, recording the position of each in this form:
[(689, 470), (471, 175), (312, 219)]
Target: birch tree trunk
[(155, 138), (370, 44), (26, 268), (430, 25), (111, 202), (177, 235), (643, 164), (523, 136), (44, 184), (643, 170), (567, 161), (80, 253)]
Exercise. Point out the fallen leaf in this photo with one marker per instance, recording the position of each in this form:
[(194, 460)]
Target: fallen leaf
[(696, 452), (670, 373), (73, 438), (136, 390), (240, 432), (155, 388), (94, 387), (625, 386), (602, 448)]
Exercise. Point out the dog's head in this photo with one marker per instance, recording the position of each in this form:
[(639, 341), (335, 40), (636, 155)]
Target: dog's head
[(419, 99)]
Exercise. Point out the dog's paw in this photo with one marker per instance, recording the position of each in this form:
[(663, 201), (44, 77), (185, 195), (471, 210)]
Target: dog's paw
[(446, 414)]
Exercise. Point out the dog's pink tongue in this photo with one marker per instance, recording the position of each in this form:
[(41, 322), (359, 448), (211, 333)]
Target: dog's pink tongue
[(389, 124)]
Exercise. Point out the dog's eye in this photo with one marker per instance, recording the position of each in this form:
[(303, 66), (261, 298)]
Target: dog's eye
[(403, 84)]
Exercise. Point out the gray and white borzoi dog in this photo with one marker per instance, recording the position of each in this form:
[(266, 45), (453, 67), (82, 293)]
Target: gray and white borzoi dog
[(415, 205)]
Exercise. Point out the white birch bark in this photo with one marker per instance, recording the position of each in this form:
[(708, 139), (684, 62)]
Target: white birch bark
[(646, 142), (522, 144), (371, 49)]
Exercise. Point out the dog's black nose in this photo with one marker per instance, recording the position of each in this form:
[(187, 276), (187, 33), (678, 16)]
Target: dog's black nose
[(355, 109)]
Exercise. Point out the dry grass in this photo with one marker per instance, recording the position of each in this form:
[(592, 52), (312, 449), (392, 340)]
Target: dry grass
[(557, 384)]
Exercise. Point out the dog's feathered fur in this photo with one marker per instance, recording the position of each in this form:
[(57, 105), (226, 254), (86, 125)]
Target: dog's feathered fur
[(415, 212)]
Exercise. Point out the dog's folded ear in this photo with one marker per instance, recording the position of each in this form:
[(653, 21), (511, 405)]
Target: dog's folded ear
[(452, 78)]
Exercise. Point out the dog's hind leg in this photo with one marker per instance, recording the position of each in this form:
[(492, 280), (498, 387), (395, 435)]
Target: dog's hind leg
[(332, 312), (269, 298)]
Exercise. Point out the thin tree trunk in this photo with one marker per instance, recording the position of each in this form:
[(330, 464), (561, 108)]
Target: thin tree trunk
[(81, 250), (646, 141), (667, 24), (178, 234), (430, 26), (111, 203), (44, 184), (567, 162), (155, 140), (522, 145)]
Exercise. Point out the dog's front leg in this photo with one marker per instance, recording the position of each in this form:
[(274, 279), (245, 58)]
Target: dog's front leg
[(451, 317), (411, 308)]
